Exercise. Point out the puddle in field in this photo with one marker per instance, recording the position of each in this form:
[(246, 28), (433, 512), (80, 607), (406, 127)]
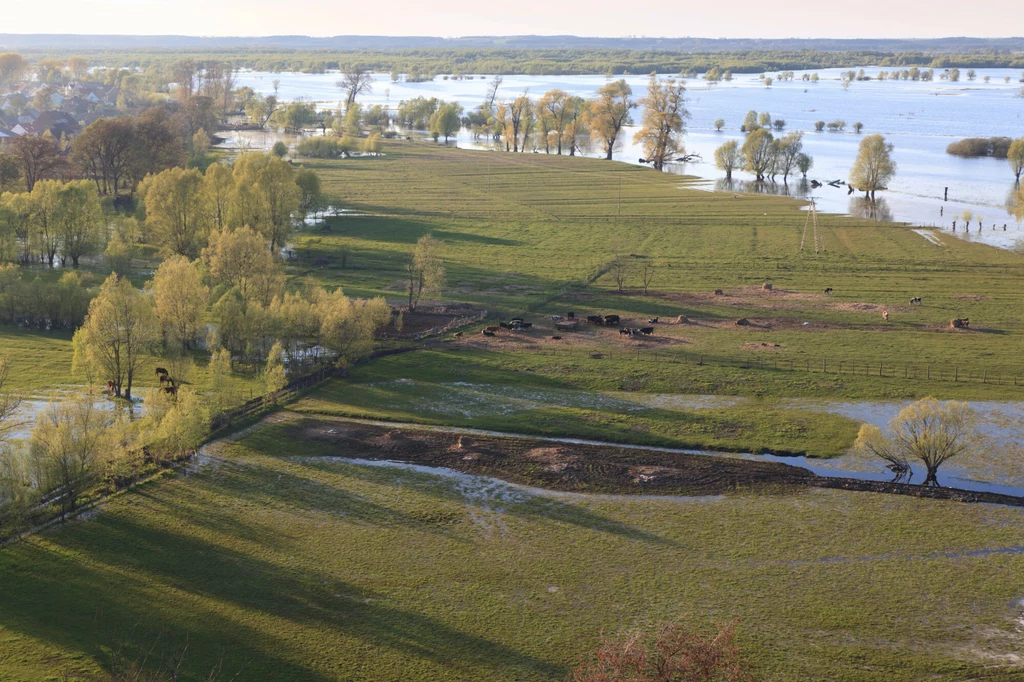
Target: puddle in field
[(28, 412), (998, 468)]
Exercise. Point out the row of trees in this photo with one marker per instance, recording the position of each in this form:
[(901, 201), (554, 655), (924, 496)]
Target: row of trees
[(764, 155), (184, 207), (767, 157), (62, 222), (559, 122), (115, 153), (561, 60)]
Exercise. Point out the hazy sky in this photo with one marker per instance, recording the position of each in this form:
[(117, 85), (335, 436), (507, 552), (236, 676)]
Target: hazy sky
[(673, 18)]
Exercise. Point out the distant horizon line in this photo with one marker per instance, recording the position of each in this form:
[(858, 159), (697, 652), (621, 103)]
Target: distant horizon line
[(502, 36)]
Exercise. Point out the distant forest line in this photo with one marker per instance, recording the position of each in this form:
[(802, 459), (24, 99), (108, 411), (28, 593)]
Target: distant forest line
[(457, 59)]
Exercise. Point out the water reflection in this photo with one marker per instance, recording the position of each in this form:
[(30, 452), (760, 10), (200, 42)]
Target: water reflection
[(877, 210), (799, 188)]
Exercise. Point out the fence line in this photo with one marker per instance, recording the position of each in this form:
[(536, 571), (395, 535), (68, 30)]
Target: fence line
[(436, 331), (875, 368)]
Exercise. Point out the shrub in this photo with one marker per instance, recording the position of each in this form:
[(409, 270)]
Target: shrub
[(970, 147), (320, 148)]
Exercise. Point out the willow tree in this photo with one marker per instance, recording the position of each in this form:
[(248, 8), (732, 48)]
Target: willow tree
[(728, 158), (554, 116), (179, 299), (874, 166), (516, 117), (929, 431), (119, 331), (609, 113), (575, 127), (425, 269), (1015, 155), (176, 210), (265, 197), (759, 153), (660, 135)]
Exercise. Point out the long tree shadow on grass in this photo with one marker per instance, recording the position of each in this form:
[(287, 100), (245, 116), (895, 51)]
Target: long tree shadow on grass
[(400, 230), (523, 505), (274, 621)]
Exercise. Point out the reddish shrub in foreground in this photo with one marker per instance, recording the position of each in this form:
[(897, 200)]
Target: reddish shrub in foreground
[(671, 654)]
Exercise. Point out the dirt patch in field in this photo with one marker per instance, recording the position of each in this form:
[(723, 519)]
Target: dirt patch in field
[(567, 467), (586, 468), (971, 297), (421, 321), (774, 299)]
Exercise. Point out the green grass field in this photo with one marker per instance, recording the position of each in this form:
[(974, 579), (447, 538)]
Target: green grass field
[(534, 234), (289, 565), (277, 560)]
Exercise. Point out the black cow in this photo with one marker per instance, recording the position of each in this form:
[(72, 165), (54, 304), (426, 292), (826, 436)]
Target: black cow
[(653, 320), (161, 370), (647, 331), (611, 320), (595, 319), (488, 332), (625, 331), (828, 290)]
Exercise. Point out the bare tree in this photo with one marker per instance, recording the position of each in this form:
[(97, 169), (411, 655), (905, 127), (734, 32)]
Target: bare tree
[(646, 273), (620, 269), (355, 82), (491, 99)]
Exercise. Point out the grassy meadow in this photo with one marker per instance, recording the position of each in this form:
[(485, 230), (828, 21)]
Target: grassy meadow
[(278, 558), (535, 234), (280, 561)]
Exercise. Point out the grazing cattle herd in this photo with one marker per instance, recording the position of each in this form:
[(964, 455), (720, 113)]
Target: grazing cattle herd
[(568, 321)]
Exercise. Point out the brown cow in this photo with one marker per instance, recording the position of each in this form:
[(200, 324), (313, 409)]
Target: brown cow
[(885, 315)]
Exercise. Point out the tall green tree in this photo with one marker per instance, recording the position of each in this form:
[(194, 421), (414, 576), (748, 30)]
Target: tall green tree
[(759, 153), (664, 107), (874, 166), (119, 330), (77, 220), (446, 121), (607, 115), (175, 214), (1015, 155)]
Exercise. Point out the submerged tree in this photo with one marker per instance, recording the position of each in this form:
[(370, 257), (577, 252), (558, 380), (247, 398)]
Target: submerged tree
[(728, 158), (664, 116), (607, 115), (1015, 155), (929, 431), (355, 82), (759, 153), (874, 166)]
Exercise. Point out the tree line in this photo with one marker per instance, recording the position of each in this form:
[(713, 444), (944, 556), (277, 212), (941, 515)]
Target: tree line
[(157, 64)]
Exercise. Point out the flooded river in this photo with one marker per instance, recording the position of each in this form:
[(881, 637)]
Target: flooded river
[(920, 118)]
